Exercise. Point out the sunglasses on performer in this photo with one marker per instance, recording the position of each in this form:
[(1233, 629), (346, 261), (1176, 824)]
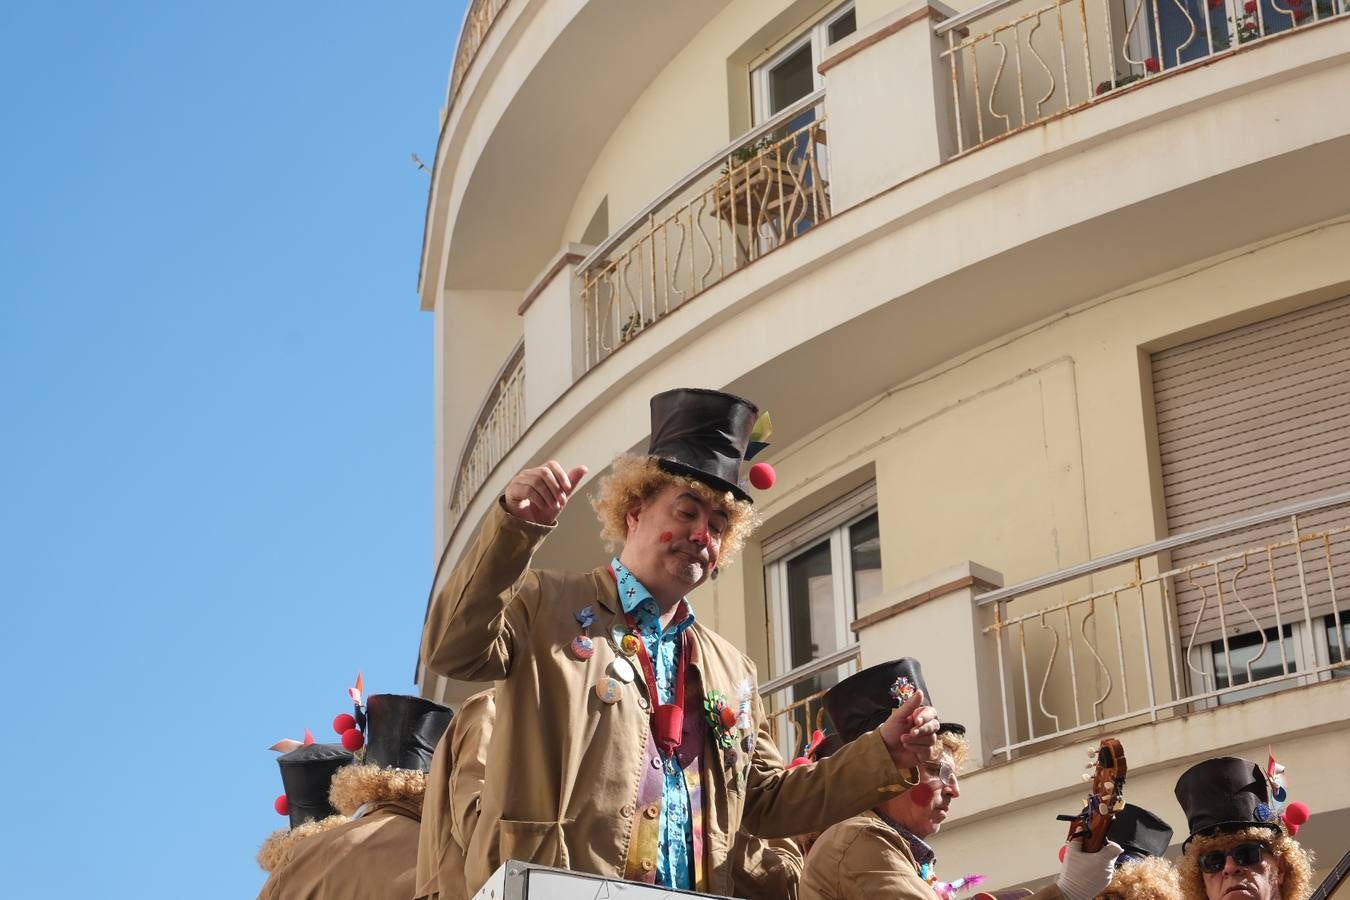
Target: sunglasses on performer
[(1245, 855)]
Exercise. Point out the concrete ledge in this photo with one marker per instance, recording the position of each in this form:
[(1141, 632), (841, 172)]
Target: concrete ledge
[(941, 583)]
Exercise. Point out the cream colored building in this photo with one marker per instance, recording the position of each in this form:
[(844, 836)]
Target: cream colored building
[(1050, 304)]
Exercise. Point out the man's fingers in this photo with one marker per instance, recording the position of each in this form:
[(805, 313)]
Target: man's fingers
[(560, 475), (548, 483), (907, 709), (576, 475)]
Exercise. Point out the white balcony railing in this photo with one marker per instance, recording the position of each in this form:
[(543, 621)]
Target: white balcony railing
[(758, 193), (1014, 63), (1164, 640), (499, 424)]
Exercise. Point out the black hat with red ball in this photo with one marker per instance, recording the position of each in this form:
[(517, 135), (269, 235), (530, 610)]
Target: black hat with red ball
[(706, 435), (306, 773)]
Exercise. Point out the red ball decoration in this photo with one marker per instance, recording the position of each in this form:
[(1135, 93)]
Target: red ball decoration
[(344, 723), (1295, 815), (762, 476), (353, 739), (282, 805)]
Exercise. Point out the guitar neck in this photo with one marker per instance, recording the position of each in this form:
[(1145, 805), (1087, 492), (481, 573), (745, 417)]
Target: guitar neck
[(1333, 880)]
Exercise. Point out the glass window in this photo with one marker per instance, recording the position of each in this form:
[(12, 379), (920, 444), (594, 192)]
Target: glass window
[(1334, 645), (864, 538), (812, 623), (1264, 658), (793, 72), (843, 26), (791, 79)]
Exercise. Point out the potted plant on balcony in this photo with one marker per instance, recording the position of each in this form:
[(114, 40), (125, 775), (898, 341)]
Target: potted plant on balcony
[(753, 182)]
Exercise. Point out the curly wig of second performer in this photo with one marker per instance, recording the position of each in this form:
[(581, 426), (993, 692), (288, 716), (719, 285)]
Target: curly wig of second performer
[(632, 480), (1296, 861), (1151, 878), (956, 745)]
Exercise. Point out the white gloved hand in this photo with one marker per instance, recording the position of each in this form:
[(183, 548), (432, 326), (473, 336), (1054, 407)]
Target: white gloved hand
[(1085, 875)]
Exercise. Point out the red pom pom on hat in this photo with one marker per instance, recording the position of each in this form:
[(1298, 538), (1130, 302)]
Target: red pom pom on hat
[(1296, 814), (343, 723), (762, 476), (282, 805), (353, 740)]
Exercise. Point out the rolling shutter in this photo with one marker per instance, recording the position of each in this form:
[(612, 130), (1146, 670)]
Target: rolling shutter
[(1248, 420)]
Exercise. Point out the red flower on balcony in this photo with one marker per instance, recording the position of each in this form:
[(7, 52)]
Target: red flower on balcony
[(1151, 64), (1216, 4), (1249, 7)]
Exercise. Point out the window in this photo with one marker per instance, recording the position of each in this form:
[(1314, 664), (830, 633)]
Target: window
[(1265, 655), (822, 570), (792, 73), (1335, 643)]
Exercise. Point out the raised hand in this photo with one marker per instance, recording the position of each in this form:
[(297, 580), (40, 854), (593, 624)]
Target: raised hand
[(538, 495), (910, 732)]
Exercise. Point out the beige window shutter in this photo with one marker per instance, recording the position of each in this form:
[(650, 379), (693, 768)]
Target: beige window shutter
[(800, 534), (1251, 419)]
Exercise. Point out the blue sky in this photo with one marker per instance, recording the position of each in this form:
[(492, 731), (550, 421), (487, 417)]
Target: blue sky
[(217, 415)]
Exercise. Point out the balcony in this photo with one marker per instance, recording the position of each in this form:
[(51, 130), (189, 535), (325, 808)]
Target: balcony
[(1014, 64), (785, 211)]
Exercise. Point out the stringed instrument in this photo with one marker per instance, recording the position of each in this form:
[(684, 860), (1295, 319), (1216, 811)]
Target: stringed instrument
[(1104, 800)]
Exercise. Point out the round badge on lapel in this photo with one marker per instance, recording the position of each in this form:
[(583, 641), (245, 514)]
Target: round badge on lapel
[(608, 690), (582, 647), (629, 643), (622, 669)]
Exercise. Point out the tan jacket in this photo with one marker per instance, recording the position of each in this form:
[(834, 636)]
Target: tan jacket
[(563, 766), (863, 858), (765, 870), (450, 810), (370, 858)]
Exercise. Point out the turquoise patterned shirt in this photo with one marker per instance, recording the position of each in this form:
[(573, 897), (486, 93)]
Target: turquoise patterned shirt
[(674, 863)]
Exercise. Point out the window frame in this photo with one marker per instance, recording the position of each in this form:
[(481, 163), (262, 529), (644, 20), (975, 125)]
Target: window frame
[(817, 35), (842, 582)]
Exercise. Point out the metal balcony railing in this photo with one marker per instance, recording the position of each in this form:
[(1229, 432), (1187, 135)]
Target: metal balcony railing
[(499, 424), (1248, 619), (766, 188), (793, 700), (478, 19), (1014, 63)]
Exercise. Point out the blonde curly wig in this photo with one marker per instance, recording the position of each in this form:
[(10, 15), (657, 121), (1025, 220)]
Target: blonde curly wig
[(355, 785), (276, 850), (633, 480), (957, 746), (1296, 862), (1152, 878)]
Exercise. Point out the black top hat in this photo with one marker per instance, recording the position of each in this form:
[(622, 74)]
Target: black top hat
[(863, 700), (703, 434), (305, 774), (1139, 832), (403, 731), (1226, 793)]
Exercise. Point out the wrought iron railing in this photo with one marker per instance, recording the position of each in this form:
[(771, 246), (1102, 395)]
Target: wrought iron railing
[(1014, 63), (760, 192), (478, 18), (1261, 611), (499, 424), (793, 700)]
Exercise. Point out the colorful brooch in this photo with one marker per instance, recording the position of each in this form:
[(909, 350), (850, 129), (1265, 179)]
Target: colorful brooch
[(902, 690), (721, 718)]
